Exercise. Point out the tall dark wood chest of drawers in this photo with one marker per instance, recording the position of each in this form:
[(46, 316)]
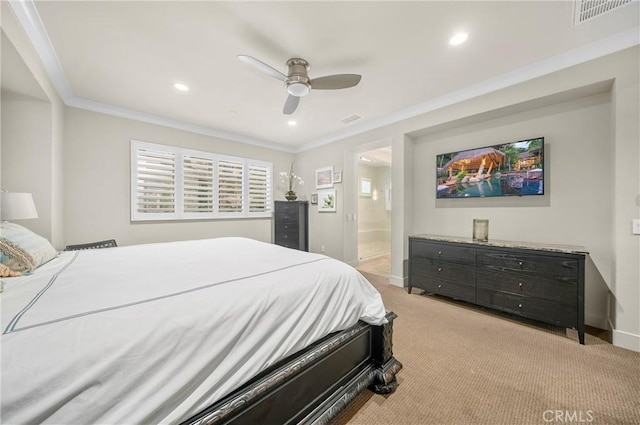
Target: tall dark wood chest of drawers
[(292, 224), (537, 282)]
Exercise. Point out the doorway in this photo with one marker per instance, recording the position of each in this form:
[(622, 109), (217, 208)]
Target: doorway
[(374, 211)]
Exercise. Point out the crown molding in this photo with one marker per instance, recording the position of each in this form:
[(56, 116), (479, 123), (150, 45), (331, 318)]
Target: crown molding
[(30, 20), (25, 11), (90, 105), (604, 47)]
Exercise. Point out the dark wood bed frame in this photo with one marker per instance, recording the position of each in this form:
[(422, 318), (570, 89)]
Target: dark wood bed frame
[(313, 386)]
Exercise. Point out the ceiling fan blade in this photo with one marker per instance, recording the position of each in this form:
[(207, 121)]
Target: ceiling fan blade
[(339, 81), (291, 105), (263, 67)]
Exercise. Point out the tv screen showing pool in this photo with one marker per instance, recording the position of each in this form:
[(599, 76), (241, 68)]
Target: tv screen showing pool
[(509, 169)]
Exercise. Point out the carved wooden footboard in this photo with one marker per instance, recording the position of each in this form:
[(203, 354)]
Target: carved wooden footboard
[(315, 385)]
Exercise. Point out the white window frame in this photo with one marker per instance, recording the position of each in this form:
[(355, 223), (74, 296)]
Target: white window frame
[(179, 213)]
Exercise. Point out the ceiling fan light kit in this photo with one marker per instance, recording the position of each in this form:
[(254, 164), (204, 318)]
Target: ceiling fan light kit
[(297, 82)]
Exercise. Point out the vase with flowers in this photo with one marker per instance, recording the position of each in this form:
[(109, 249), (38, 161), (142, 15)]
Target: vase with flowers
[(290, 178)]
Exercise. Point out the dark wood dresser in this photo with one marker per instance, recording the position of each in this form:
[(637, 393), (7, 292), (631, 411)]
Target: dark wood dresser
[(540, 282), (292, 224)]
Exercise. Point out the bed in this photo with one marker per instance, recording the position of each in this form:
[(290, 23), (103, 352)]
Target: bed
[(227, 330)]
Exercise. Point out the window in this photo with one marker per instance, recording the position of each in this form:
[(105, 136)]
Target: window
[(365, 186), (170, 183)]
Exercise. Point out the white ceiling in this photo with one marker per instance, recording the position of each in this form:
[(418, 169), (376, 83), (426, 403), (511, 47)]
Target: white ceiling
[(380, 157), (122, 57)]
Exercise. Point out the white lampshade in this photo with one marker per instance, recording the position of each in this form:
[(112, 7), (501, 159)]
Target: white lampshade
[(17, 206)]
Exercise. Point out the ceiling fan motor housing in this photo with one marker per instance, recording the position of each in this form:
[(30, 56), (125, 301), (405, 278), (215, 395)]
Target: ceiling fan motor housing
[(297, 82)]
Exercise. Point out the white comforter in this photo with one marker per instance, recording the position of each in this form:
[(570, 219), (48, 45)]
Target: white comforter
[(155, 333)]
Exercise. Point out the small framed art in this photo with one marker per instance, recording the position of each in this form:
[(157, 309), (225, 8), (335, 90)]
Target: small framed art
[(324, 177), (337, 177), (327, 200), (314, 199)]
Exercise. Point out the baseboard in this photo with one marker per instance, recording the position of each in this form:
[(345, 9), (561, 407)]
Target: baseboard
[(397, 281), (624, 339)]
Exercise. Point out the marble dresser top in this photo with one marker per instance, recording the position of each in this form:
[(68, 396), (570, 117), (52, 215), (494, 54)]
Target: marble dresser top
[(570, 249)]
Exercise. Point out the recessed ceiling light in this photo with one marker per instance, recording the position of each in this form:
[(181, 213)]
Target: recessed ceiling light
[(181, 87), (291, 123), (459, 38)]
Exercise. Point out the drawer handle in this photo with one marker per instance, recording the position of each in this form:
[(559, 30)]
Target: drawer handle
[(519, 262), (520, 284), (439, 252), (439, 286), (439, 269), (519, 305), (286, 236)]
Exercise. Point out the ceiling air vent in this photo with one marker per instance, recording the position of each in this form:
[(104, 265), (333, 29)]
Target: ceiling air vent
[(583, 10), (351, 118)]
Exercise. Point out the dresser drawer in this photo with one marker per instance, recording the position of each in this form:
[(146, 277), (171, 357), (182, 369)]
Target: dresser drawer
[(558, 288), (286, 217), (532, 308), (290, 244), (444, 252), (536, 263), (288, 208), (288, 226), (287, 236), (444, 270), (449, 288)]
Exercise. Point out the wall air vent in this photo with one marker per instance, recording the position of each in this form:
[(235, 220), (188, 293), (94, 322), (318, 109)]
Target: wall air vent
[(351, 118), (583, 10)]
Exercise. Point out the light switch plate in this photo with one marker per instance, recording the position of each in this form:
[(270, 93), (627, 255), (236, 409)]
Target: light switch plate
[(636, 226)]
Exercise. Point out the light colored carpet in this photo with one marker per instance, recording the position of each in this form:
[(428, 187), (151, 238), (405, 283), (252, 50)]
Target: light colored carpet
[(465, 365)]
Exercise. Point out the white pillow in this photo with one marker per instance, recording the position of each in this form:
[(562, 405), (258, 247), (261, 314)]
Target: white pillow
[(23, 250)]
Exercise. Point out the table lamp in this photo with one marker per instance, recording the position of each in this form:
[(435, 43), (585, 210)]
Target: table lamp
[(17, 206)]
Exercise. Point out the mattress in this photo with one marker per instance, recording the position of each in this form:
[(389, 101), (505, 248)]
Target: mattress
[(155, 333)]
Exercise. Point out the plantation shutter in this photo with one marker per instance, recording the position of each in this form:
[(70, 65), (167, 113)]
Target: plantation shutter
[(259, 188), (197, 185), (155, 184), (172, 183), (230, 185)]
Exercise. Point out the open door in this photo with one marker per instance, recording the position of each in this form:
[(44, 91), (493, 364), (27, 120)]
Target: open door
[(374, 211)]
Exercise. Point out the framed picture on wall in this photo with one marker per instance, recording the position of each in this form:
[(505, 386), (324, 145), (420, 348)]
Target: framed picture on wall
[(365, 186), (324, 177), (327, 200), (337, 176), (314, 199)]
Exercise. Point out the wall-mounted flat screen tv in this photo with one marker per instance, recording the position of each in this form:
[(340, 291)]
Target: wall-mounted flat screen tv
[(509, 169)]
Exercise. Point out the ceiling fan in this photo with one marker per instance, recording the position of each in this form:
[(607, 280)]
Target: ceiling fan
[(297, 81)]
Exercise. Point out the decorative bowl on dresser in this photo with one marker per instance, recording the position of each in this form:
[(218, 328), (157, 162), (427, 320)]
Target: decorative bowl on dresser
[(292, 224), (536, 281)]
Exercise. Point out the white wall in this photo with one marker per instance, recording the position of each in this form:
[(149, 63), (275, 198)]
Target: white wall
[(575, 209), (32, 117), (330, 237), (96, 172), (27, 155), (97, 185), (607, 218), (374, 220)]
